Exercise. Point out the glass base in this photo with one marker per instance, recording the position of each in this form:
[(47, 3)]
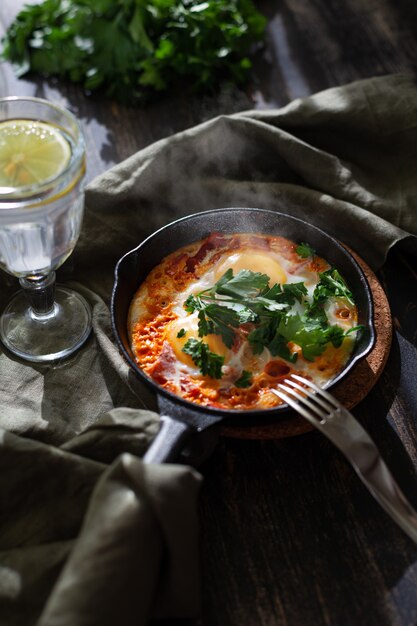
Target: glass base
[(46, 337)]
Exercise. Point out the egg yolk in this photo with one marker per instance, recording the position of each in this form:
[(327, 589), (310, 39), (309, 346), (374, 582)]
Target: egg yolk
[(190, 326), (255, 262)]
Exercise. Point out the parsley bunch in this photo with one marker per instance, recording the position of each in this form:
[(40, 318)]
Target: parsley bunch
[(275, 321), (132, 49)]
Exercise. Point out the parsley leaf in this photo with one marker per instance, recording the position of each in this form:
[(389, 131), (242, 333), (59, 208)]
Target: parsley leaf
[(181, 333), (280, 315), (245, 313), (219, 320), (262, 304), (279, 347), (193, 303), (335, 335), (208, 362), (205, 326), (244, 380), (155, 44), (359, 328), (294, 291), (285, 294), (304, 250), (310, 335), (262, 335), (245, 284), (315, 312), (331, 284)]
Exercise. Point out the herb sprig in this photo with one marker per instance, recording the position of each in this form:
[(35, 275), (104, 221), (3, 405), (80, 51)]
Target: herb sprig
[(273, 321), (304, 250), (331, 284), (133, 49), (209, 362)]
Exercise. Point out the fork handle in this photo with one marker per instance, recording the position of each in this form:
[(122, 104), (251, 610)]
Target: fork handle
[(361, 451), (380, 482)]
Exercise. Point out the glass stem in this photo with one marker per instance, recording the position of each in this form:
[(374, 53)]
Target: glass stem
[(40, 292)]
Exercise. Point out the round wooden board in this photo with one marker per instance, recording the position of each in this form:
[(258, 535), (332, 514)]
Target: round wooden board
[(352, 389)]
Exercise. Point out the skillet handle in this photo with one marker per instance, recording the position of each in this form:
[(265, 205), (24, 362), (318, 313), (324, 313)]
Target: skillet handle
[(169, 442)]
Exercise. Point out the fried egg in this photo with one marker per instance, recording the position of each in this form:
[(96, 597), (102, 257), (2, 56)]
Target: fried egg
[(162, 327)]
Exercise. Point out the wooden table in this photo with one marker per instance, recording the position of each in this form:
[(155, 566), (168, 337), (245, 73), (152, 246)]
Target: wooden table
[(289, 534)]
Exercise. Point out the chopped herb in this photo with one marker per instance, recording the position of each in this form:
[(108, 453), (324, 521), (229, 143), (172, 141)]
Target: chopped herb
[(181, 333), (276, 323), (331, 284), (245, 314), (310, 335), (208, 362), (134, 49), (216, 318), (294, 291), (192, 304), (334, 335), (262, 335), (315, 312), (245, 284), (279, 347), (359, 328), (244, 380), (304, 250), (219, 320)]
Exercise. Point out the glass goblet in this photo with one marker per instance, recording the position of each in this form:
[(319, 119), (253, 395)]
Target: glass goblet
[(42, 175)]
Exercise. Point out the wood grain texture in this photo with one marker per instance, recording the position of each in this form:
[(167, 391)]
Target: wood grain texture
[(289, 535)]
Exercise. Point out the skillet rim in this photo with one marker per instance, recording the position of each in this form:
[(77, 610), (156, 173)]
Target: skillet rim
[(268, 413)]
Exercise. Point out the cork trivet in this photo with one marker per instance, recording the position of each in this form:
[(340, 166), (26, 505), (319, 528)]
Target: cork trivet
[(352, 389)]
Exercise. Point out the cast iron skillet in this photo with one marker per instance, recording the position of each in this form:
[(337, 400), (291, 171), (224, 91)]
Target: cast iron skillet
[(181, 419)]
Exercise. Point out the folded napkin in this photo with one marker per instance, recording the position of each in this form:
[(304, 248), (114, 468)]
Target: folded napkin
[(90, 535), (343, 159)]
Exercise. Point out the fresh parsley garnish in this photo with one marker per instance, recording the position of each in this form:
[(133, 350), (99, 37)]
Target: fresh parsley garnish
[(292, 292), (135, 49), (244, 380), (208, 362), (245, 284), (331, 283), (279, 347), (222, 315), (315, 313), (193, 303), (181, 333), (261, 336), (304, 250), (281, 318), (219, 320)]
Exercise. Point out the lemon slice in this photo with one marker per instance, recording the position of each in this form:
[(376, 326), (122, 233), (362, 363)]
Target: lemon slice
[(31, 152)]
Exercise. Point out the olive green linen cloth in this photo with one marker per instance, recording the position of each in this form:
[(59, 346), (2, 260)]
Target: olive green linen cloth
[(89, 534)]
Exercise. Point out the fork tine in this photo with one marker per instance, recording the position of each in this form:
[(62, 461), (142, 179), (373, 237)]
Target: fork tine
[(295, 404), (324, 394), (313, 395), (305, 400), (342, 429)]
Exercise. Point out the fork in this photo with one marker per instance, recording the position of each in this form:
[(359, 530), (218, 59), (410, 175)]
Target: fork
[(331, 418)]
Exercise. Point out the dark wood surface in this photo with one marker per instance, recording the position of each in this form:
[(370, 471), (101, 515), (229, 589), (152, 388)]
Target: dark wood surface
[(289, 534)]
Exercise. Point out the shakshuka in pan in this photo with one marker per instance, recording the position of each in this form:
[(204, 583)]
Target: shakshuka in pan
[(221, 321)]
